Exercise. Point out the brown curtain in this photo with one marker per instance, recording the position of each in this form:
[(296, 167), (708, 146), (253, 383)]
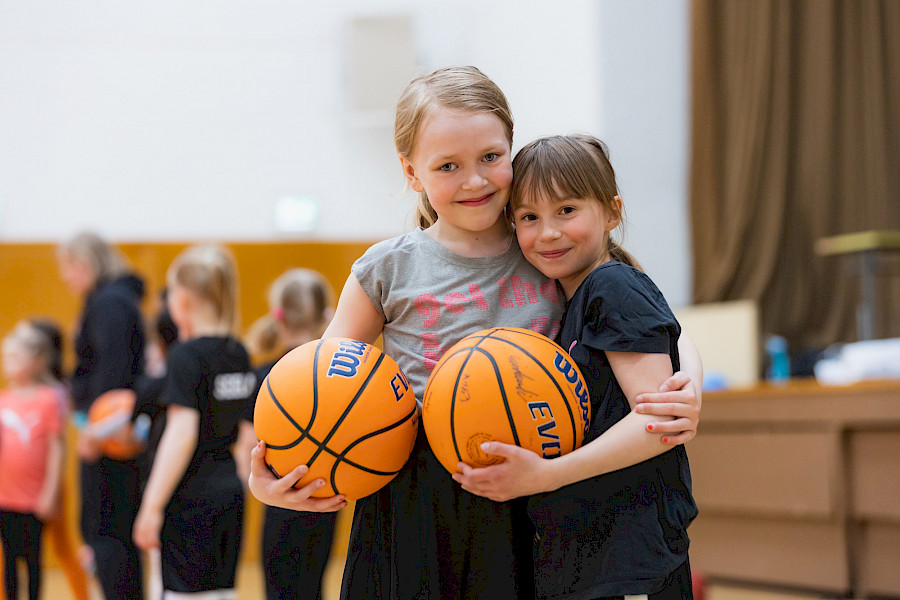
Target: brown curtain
[(795, 136)]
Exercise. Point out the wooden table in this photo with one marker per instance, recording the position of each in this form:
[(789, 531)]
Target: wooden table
[(799, 487)]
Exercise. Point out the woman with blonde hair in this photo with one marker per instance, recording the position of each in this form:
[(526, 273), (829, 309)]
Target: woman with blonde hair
[(109, 348)]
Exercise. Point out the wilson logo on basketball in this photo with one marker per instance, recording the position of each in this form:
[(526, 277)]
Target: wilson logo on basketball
[(342, 408), (570, 372), (345, 361)]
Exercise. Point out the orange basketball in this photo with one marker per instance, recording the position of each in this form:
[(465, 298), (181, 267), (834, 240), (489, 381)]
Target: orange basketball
[(344, 409), (506, 384), (109, 413)]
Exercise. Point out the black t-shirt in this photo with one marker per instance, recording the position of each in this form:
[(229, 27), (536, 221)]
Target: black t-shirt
[(261, 372), (109, 346), (213, 376), (623, 532)]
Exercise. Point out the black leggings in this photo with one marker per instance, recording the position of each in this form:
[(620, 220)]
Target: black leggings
[(295, 547), (110, 497), (21, 537)]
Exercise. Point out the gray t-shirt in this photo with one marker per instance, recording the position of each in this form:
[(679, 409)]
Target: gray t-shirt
[(431, 298)]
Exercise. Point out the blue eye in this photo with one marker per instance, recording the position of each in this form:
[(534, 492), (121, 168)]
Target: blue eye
[(448, 167)]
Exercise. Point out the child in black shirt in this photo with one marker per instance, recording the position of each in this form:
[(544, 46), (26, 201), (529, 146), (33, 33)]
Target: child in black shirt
[(193, 504), (611, 517)]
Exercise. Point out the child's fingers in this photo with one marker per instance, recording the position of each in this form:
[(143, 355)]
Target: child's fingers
[(681, 438), (675, 382), (258, 456), (501, 449), (332, 504), (674, 432), (287, 482), (667, 409)]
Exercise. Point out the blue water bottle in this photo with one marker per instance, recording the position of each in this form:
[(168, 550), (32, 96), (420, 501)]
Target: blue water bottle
[(779, 368)]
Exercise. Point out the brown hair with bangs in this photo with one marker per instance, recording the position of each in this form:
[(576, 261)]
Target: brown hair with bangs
[(569, 166)]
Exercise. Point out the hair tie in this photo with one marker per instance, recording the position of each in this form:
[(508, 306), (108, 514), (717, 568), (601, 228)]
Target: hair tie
[(278, 313)]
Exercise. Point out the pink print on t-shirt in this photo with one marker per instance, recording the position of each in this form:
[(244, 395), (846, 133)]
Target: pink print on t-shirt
[(512, 293)]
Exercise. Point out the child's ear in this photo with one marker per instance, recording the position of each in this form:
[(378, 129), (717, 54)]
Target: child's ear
[(614, 217), (410, 173)]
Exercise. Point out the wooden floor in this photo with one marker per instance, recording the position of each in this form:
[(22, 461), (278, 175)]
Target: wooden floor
[(250, 584), (250, 587)]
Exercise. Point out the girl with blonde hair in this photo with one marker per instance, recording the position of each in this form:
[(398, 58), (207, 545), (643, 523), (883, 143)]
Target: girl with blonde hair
[(193, 504), (109, 350), (461, 271), (295, 544)]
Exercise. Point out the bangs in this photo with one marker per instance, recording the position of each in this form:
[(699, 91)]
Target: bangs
[(556, 168)]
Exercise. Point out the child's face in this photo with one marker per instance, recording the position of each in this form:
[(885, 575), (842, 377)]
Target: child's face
[(565, 239), (19, 365), (462, 161)]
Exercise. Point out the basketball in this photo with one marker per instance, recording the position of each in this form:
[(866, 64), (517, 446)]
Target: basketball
[(506, 384), (109, 413), (344, 409)]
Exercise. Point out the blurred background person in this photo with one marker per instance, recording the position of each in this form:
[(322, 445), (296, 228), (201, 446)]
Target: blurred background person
[(109, 349), (295, 544)]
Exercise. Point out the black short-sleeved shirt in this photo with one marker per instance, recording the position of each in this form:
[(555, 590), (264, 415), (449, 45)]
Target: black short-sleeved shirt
[(213, 376), (623, 532)]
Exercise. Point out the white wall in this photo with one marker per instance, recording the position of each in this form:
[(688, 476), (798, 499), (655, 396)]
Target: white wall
[(644, 54), (189, 120)]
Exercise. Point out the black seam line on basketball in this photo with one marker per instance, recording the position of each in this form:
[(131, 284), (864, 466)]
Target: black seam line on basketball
[(312, 418), (509, 416), (303, 432), (552, 378), (459, 375), (322, 445), (342, 457)]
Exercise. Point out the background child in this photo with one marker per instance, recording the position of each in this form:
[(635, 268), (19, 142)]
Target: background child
[(462, 271), (109, 349), (56, 528), (295, 544), (149, 415), (600, 533), (192, 509), (30, 453)]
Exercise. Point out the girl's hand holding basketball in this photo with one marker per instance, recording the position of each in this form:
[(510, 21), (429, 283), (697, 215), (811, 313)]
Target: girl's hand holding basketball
[(521, 473), (678, 398), (281, 492)]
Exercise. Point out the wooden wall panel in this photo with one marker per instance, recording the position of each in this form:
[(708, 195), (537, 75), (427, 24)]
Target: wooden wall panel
[(31, 287)]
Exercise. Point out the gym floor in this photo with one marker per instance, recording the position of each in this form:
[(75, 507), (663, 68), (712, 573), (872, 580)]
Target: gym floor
[(250, 587)]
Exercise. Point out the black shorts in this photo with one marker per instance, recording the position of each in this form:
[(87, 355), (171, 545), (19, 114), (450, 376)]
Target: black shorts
[(201, 542)]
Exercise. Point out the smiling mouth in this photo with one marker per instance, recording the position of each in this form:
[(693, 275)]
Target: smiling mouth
[(478, 201), (551, 254)]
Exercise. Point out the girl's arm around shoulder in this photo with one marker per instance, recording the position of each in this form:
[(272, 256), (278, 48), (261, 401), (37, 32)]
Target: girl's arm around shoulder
[(626, 443), (679, 397), (176, 447), (356, 318)]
